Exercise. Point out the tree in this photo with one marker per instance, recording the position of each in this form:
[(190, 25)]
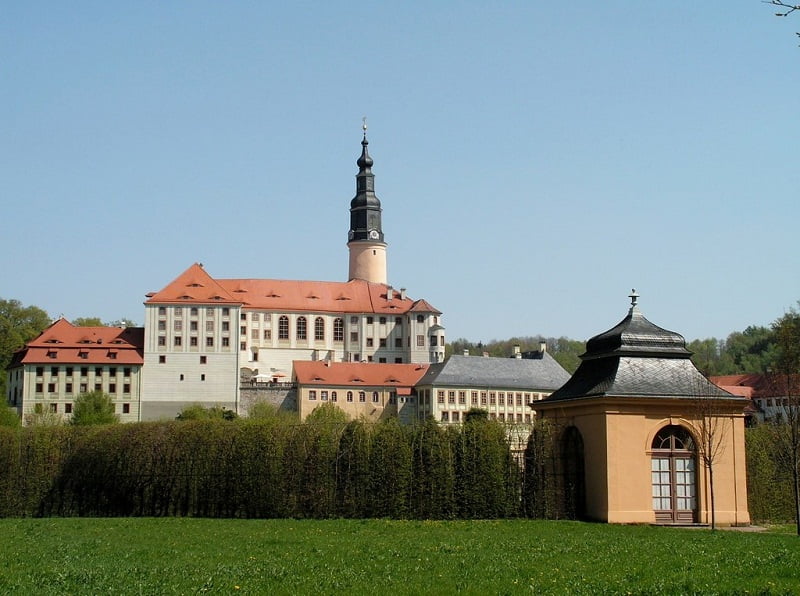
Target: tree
[(88, 322), (18, 325), (785, 383), (9, 417), (91, 408), (788, 8), (711, 430), (198, 412)]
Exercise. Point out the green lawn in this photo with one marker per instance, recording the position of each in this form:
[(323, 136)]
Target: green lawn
[(188, 556)]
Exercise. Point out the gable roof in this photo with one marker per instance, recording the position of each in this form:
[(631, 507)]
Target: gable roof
[(193, 286), (63, 342), (537, 374), (357, 374)]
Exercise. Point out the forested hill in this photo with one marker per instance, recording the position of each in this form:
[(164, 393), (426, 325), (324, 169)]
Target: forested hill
[(754, 350)]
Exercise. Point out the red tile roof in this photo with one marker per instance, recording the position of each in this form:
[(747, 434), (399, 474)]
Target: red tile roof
[(63, 342), (358, 374), (355, 296)]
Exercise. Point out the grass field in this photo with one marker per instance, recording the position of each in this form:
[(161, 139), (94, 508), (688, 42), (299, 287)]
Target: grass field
[(189, 556)]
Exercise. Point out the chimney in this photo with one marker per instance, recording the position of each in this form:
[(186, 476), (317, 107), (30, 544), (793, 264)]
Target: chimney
[(466, 352), (517, 353), (389, 292), (543, 347), (402, 293)]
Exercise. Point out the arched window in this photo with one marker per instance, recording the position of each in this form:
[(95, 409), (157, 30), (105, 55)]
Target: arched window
[(374, 397), (283, 327), (302, 329), (673, 476), (333, 396), (338, 330), (349, 396), (319, 329), (362, 396)]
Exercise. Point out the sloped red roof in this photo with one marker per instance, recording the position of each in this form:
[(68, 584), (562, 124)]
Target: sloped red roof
[(63, 342), (196, 286), (358, 374), (193, 286)]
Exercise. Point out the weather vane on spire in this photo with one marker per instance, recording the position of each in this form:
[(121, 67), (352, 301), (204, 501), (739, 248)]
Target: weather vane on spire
[(633, 296), (364, 125)]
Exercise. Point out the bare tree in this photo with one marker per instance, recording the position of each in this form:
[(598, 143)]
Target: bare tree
[(785, 386), (712, 424), (786, 8)]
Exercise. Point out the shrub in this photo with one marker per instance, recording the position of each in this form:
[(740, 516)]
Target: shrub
[(93, 408)]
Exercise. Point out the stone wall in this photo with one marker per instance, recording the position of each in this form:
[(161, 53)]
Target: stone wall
[(284, 397)]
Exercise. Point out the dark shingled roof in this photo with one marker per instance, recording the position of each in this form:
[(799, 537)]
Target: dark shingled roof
[(637, 359), (543, 374)]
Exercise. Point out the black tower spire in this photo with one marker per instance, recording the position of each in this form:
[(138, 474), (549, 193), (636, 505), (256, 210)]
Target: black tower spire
[(365, 208)]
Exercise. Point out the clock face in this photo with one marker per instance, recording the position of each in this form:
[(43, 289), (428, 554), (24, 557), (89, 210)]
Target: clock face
[(373, 234)]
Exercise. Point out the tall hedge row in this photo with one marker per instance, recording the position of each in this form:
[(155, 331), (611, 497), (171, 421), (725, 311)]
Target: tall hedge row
[(255, 469)]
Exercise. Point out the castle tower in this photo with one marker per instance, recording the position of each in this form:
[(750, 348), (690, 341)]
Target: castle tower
[(365, 238)]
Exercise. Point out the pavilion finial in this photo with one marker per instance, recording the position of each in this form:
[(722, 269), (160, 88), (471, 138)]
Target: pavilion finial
[(364, 125), (634, 296)]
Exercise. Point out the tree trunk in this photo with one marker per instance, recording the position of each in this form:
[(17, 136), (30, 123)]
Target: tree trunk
[(796, 478), (711, 488)]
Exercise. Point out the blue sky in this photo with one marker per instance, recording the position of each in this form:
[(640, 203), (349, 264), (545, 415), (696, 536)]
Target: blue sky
[(535, 160)]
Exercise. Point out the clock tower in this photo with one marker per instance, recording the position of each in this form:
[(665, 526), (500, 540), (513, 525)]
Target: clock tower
[(365, 238)]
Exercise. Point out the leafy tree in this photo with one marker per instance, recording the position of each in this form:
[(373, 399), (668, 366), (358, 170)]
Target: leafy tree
[(564, 350), (9, 417), (42, 416), (327, 414), (198, 412), (265, 411), (92, 408), (88, 322), (18, 325)]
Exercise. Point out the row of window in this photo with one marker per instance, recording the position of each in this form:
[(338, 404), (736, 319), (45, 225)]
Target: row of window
[(124, 408), (494, 398), (69, 388), (177, 341), (193, 311), (254, 316), (84, 371), (162, 359), (510, 418), (349, 396)]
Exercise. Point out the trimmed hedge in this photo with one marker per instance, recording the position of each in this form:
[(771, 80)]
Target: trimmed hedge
[(258, 469)]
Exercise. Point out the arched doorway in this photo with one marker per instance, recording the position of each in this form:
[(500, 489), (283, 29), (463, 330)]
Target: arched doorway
[(573, 474), (673, 476)]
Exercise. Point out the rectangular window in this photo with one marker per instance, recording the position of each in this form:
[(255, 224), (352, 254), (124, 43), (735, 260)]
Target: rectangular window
[(226, 326), (462, 397), (398, 342), (226, 312), (492, 398), (162, 341), (162, 325), (203, 359), (177, 340), (54, 407), (193, 311), (501, 398), (178, 325), (178, 310), (226, 342), (203, 377), (84, 371), (162, 359), (362, 396), (98, 387), (383, 342), (126, 408), (473, 398), (440, 397), (83, 387), (209, 312), (382, 360), (39, 371), (68, 408), (433, 340), (369, 320), (483, 398), (267, 334), (527, 418), (312, 395), (398, 360), (354, 336), (112, 387), (369, 342), (126, 388), (68, 388), (39, 387), (192, 325), (243, 317), (69, 371), (323, 395), (333, 396), (420, 341), (501, 417), (210, 326), (382, 320), (54, 371), (254, 333), (451, 397), (445, 417), (455, 416), (243, 330), (209, 342), (193, 341), (255, 316), (398, 321), (162, 311)]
